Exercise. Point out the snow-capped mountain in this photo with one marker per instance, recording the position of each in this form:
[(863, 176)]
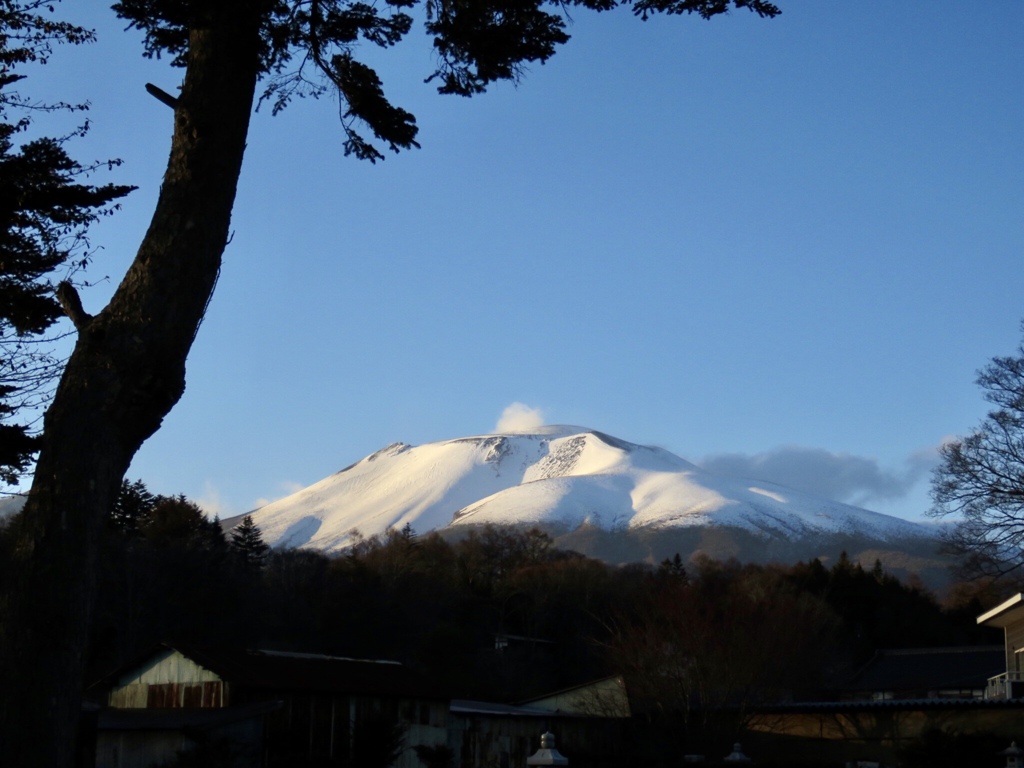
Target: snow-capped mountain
[(562, 477)]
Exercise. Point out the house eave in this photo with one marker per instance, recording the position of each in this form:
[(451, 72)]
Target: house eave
[(998, 616)]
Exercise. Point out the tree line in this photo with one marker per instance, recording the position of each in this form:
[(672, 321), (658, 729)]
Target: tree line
[(690, 637), (502, 614)]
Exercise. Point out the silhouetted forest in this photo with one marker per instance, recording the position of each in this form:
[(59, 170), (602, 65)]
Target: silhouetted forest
[(502, 614)]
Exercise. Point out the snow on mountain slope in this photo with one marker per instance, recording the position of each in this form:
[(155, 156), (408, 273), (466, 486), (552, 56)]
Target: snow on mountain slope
[(555, 475), (10, 506)]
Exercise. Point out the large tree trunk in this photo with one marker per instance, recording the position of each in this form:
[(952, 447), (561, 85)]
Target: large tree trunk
[(127, 371)]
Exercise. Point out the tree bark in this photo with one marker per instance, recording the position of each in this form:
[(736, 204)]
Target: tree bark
[(126, 372)]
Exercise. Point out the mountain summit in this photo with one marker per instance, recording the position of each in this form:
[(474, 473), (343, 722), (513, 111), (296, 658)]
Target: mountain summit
[(560, 477)]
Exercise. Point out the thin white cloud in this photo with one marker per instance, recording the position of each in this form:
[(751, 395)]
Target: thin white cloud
[(519, 418), (212, 504), (286, 488), (840, 476)]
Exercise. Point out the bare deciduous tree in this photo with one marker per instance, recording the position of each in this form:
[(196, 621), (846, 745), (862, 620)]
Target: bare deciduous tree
[(981, 478)]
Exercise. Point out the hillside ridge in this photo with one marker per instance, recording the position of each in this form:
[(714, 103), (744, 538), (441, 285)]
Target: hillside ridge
[(561, 477)]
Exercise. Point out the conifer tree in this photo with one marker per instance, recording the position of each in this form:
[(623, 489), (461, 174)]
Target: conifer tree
[(247, 541), (45, 210), (175, 521), (133, 504)]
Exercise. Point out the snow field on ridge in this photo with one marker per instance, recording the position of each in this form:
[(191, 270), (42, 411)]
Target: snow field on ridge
[(554, 475)]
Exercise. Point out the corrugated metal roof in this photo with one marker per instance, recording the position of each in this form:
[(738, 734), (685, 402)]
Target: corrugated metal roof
[(465, 706), (284, 671), (571, 688), (906, 705), (277, 671)]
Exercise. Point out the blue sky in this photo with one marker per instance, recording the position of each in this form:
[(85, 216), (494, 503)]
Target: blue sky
[(782, 246)]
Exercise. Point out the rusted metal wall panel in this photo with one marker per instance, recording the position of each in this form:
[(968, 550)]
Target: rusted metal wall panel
[(191, 696), (168, 680), (170, 696), (162, 696), (214, 694), (129, 697)]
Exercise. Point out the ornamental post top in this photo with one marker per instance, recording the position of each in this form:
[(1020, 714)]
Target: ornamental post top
[(737, 755), (547, 754), (1013, 749), (1014, 755)]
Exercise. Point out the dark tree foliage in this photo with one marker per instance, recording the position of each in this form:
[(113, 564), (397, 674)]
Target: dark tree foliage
[(683, 645), (176, 520), (164, 520), (981, 479), (167, 574), (673, 568), (689, 653), (309, 50), (132, 506), (45, 210), (877, 610), (247, 542), (127, 370)]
